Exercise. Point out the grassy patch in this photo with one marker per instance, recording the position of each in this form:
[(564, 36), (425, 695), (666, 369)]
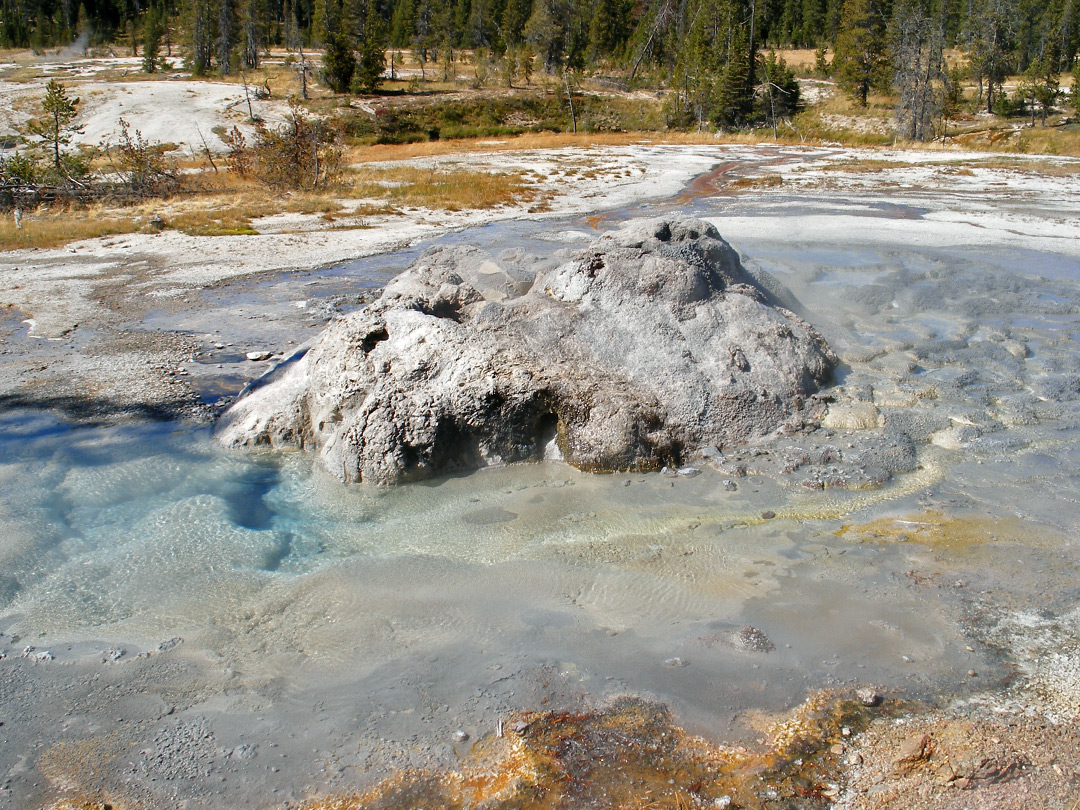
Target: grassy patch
[(232, 212), (760, 181), (1036, 166), (50, 229), (839, 119), (223, 212), (447, 190), (1060, 140)]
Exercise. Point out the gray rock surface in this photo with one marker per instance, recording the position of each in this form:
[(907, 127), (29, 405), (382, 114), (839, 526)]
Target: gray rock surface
[(650, 345)]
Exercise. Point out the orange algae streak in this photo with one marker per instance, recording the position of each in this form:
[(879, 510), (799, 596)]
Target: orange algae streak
[(87, 804), (708, 184), (952, 532), (629, 756)]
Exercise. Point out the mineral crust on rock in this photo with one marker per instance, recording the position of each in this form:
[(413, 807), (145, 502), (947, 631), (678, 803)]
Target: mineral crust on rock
[(650, 345)]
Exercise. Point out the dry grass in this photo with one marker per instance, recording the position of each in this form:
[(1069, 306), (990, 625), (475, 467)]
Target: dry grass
[(838, 119), (759, 181), (227, 210), (1024, 140), (230, 211), (447, 190), (802, 60), (1035, 166), (54, 228), (225, 220)]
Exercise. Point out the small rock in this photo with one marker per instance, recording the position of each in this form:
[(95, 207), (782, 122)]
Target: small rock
[(971, 673), (667, 472), (750, 638), (914, 751), (460, 736), (768, 514), (729, 485), (258, 357), (846, 731), (722, 802), (689, 472), (170, 644), (675, 662), (868, 697), (113, 654), (519, 727)]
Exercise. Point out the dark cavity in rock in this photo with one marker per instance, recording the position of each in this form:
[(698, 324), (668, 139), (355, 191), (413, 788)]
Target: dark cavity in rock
[(649, 346)]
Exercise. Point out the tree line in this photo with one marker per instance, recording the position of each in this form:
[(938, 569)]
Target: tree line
[(714, 55)]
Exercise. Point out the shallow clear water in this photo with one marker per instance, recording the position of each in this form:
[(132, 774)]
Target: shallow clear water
[(358, 628)]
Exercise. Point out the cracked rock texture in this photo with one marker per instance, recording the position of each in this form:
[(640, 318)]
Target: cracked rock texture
[(648, 346)]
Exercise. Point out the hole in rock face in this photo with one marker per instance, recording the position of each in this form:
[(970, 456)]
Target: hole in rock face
[(373, 339), (448, 310), (663, 233), (454, 448), (547, 428)]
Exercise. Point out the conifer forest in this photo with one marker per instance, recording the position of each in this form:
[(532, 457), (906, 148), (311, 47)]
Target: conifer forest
[(715, 57)]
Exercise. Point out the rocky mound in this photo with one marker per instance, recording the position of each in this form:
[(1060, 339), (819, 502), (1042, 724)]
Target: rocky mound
[(650, 345)]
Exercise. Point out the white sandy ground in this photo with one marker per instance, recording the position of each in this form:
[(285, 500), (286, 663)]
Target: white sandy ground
[(1046, 217), (173, 110), (180, 112)]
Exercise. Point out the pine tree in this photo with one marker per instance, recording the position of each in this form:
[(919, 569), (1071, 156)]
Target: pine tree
[(861, 59), (608, 28), (153, 30), (779, 97), (253, 14), (370, 33), (201, 28), (401, 24), (339, 62), (514, 17), (952, 97), (545, 31), (56, 127), (992, 24), (226, 34), (713, 73), (1047, 81), (1074, 91)]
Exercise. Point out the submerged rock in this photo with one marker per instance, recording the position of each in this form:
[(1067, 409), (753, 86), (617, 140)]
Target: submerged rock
[(650, 345)]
